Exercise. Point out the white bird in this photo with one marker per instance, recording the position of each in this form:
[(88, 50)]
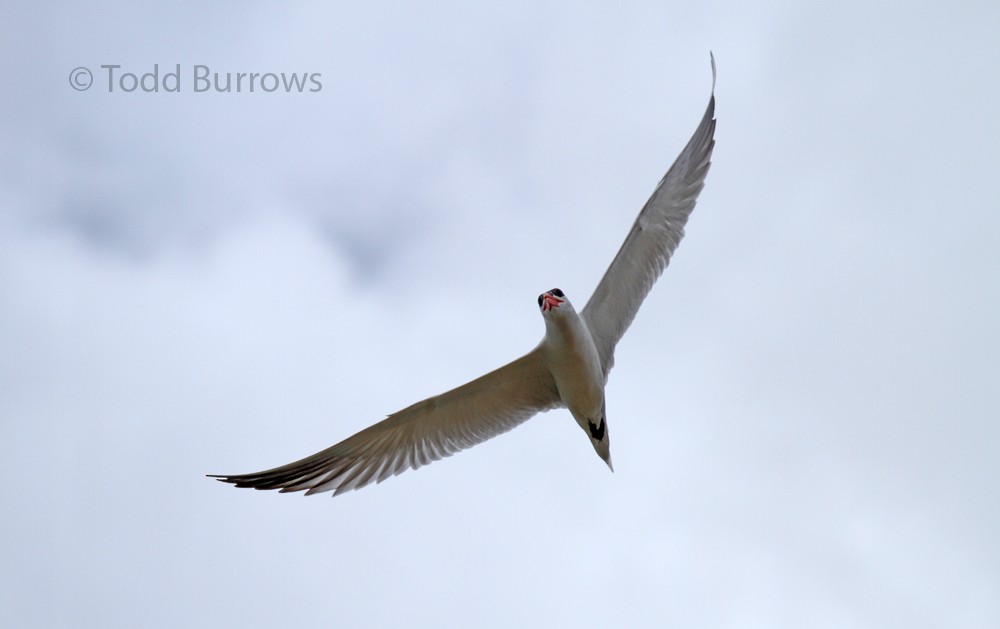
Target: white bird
[(568, 368)]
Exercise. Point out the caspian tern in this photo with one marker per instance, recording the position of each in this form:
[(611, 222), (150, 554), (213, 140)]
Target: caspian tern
[(567, 369)]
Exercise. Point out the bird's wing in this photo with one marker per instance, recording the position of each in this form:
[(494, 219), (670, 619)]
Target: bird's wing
[(419, 434), (654, 236)]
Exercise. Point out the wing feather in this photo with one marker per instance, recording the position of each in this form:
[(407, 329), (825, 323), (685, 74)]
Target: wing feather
[(652, 240), (424, 432)]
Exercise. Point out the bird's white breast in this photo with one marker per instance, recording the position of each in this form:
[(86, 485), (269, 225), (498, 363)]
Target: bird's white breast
[(575, 365)]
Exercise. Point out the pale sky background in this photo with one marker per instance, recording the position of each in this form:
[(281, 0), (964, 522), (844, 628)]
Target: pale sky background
[(805, 416)]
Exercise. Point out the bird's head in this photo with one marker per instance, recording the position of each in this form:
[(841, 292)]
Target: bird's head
[(553, 302)]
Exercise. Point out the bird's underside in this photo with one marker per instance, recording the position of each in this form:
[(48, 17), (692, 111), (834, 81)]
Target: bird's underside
[(568, 368)]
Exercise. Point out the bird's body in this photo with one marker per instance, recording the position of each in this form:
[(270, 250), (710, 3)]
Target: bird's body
[(567, 369), (570, 355)]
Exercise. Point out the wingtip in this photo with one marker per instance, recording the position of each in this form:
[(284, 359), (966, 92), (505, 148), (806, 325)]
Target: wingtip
[(229, 479), (711, 56)]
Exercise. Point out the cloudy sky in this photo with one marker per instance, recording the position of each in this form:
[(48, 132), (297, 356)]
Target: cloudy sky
[(804, 416)]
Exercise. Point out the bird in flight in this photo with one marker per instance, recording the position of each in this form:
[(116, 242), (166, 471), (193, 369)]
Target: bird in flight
[(567, 369)]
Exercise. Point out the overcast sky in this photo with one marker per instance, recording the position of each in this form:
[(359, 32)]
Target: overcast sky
[(803, 417)]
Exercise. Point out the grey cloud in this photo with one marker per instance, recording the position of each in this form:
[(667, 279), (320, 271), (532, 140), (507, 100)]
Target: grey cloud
[(802, 414)]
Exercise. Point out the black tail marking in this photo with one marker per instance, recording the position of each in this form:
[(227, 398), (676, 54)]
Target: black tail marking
[(597, 432)]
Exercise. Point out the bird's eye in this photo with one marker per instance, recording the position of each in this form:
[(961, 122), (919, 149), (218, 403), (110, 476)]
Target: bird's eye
[(557, 293), (540, 300)]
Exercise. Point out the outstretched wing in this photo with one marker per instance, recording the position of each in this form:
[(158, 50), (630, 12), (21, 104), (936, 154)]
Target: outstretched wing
[(420, 434), (654, 236)]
